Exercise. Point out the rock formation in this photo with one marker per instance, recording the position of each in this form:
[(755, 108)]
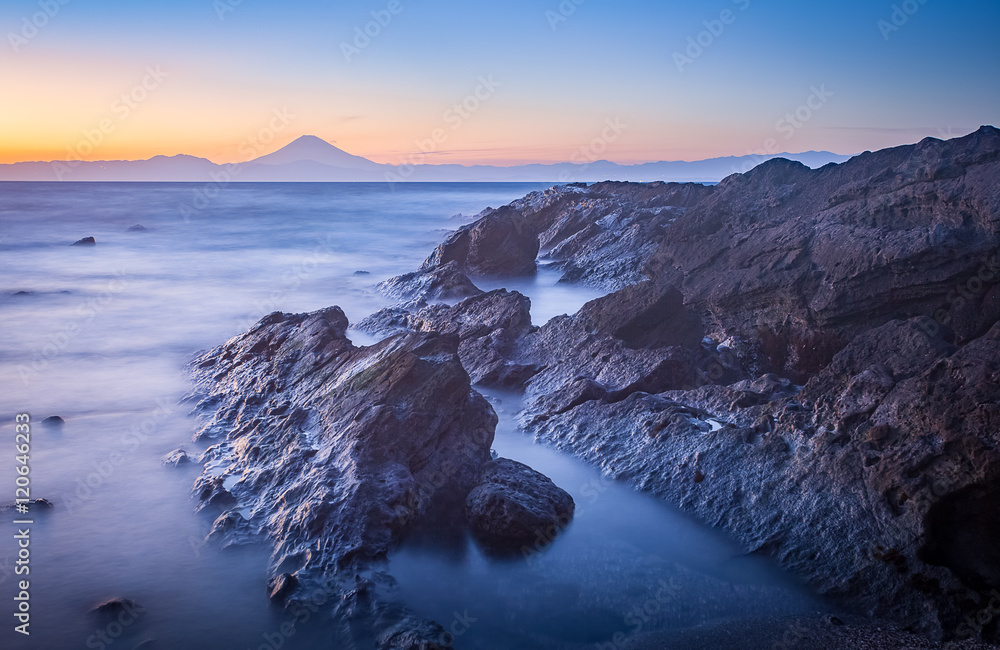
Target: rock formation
[(807, 359)]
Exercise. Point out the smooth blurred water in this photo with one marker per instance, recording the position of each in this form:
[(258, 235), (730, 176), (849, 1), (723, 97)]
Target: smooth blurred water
[(101, 338)]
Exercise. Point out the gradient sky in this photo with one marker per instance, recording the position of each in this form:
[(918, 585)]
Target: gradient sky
[(230, 64)]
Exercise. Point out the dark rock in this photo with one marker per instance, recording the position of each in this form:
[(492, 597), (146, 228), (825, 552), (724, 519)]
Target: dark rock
[(137, 228), (53, 421), (337, 451), (644, 315), (514, 506), (445, 282), (34, 504), (176, 458), (807, 259), (500, 244), (362, 273), (487, 325), (116, 606), (86, 241), (22, 293)]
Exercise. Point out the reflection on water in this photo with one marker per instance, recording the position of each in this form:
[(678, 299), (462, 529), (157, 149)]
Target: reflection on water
[(100, 335)]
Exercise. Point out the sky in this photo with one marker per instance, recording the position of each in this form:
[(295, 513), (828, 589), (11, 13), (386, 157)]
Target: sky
[(502, 83)]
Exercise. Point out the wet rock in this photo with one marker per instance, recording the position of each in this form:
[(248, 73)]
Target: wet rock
[(176, 458), (138, 228), (117, 606), (335, 451), (487, 326), (35, 505), (362, 273), (500, 244), (281, 587), (86, 241), (445, 282), (53, 422), (514, 506)]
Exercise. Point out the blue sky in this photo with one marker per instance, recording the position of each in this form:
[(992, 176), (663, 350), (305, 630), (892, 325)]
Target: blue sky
[(560, 71)]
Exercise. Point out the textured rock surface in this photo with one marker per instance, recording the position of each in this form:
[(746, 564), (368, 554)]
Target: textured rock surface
[(334, 451), (446, 282), (807, 359), (500, 244), (514, 506)]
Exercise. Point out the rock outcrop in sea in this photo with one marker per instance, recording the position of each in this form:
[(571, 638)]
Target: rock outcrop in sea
[(806, 359), (334, 453)]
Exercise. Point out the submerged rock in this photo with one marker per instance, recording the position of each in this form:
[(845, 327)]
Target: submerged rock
[(137, 228), (515, 507), (117, 606), (176, 458), (53, 422), (86, 241)]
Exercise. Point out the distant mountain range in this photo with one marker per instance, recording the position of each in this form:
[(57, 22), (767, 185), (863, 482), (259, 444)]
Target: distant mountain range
[(311, 159)]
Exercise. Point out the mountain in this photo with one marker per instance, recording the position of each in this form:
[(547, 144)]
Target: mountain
[(309, 148), (312, 159)]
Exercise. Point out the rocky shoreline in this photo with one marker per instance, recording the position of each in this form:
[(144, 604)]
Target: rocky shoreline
[(807, 359)]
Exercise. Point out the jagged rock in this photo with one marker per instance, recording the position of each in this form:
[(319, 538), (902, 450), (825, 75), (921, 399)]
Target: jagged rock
[(445, 282), (515, 506), (500, 244), (176, 458), (86, 241), (487, 325), (335, 451), (807, 259)]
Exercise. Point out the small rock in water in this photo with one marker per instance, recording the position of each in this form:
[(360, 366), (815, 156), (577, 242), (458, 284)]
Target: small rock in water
[(23, 293), (362, 273), (176, 458), (86, 241), (53, 421), (117, 606), (514, 506), (138, 228)]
